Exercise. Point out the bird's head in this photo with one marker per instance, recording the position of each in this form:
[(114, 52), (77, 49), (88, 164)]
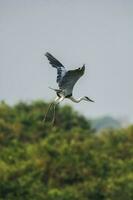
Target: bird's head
[(88, 99), (81, 69)]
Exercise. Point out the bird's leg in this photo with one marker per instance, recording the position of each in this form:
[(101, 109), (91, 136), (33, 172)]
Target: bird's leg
[(56, 99), (55, 103), (47, 111), (53, 120)]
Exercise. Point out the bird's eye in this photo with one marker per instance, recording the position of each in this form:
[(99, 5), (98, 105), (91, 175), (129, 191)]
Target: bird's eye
[(79, 68)]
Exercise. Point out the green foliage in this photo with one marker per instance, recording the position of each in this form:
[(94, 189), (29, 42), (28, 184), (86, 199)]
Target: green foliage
[(101, 123), (65, 162)]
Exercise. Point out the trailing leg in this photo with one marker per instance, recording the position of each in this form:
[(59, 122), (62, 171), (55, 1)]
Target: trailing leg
[(56, 103)]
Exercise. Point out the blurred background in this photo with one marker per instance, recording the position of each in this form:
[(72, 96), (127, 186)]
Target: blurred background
[(97, 33), (88, 153)]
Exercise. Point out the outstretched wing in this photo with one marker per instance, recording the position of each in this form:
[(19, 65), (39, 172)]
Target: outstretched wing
[(70, 78), (61, 71)]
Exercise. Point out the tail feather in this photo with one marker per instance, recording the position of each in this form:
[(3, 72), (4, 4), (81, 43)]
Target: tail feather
[(56, 90)]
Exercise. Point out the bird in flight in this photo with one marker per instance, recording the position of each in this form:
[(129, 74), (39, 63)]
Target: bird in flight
[(66, 81)]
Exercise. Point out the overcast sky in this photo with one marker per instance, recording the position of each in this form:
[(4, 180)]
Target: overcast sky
[(97, 33)]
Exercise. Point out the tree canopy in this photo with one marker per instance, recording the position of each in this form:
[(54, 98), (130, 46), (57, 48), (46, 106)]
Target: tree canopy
[(69, 161)]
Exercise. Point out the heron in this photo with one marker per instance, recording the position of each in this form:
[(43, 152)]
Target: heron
[(66, 81)]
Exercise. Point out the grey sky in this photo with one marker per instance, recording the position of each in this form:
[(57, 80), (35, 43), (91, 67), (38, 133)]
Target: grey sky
[(97, 33)]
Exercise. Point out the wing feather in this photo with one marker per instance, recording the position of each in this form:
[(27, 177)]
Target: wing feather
[(56, 64), (70, 78)]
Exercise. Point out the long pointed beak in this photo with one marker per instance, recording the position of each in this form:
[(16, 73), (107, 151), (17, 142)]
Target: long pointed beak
[(90, 100)]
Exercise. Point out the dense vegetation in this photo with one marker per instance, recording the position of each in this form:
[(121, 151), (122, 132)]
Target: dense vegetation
[(66, 162)]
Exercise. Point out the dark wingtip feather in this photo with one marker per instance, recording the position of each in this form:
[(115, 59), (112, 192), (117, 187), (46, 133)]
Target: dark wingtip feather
[(53, 61), (47, 54), (83, 67)]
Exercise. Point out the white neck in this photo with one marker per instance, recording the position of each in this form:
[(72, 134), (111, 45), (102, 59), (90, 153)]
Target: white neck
[(76, 100)]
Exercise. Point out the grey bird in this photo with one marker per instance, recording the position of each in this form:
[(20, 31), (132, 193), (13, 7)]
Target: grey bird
[(66, 81)]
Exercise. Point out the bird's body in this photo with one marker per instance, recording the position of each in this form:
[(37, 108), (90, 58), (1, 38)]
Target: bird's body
[(66, 81)]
